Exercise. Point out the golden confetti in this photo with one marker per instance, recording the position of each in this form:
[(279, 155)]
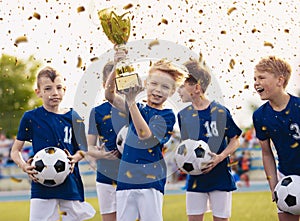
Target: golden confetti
[(231, 10), (16, 180), (192, 40), (122, 114), (63, 213), (106, 117), (286, 30), (20, 40), (287, 112), (232, 164), (128, 6), (128, 174), (223, 32), (150, 150), (84, 103), (268, 44), (246, 86), (295, 145), (194, 185), (238, 107), (80, 9), (263, 128), (150, 176), (231, 63), (94, 59), (79, 62), (221, 111), (79, 121), (165, 21), (37, 15), (153, 43), (194, 115), (51, 151)]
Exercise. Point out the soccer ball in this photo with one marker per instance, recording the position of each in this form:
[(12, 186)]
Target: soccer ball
[(191, 156), (52, 166), (121, 138), (287, 194)]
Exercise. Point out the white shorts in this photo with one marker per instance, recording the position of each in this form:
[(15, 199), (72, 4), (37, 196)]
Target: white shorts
[(142, 204), (219, 202), (106, 198), (52, 209)]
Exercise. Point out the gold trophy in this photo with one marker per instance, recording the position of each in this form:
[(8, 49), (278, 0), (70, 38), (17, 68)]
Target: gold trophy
[(117, 29)]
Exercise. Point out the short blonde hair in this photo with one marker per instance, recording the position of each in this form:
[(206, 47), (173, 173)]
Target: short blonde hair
[(169, 68), (276, 66)]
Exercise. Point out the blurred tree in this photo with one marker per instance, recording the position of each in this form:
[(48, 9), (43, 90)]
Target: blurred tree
[(17, 81)]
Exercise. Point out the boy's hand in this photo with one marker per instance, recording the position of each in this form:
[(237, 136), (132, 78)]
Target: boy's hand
[(215, 159), (29, 169), (74, 158), (109, 155), (131, 93)]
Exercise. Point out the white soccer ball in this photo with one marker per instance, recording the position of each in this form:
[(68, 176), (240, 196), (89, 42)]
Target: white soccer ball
[(192, 155), (121, 138), (287, 194), (52, 166)]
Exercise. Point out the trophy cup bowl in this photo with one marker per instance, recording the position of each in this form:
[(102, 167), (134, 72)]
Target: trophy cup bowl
[(117, 29)]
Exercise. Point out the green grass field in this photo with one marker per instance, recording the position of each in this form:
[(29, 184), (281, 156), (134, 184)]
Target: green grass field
[(247, 206)]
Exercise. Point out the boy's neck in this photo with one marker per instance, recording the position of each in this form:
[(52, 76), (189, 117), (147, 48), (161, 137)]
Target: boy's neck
[(280, 102), (201, 103), (56, 109)]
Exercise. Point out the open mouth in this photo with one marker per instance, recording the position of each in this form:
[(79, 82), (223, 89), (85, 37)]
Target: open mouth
[(260, 89)]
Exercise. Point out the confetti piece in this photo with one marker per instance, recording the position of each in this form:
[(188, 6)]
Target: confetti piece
[(79, 62), (246, 86), (194, 184), (128, 6), (231, 63), (264, 128), (63, 213), (223, 32), (153, 43), (295, 145), (94, 59), (20, 40), (37, 15), (128, 174), (268, 44), (80, 9), (84, 103), (150, 176), (231, 10), (106, 117), (79, 121), (150, 150), (165, 21), (192, 40), (16, 180), (286, 30)]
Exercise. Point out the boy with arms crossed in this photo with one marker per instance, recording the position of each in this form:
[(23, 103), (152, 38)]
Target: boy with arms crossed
[(277, 121), (142, 172), (45, 126), (211, 122), (106, 121)]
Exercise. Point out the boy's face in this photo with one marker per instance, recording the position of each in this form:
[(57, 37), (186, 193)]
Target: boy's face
[(160, 86), (187, 91), (267, 85), (51, 93)]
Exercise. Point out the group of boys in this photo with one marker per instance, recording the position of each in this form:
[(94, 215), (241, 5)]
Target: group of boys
[(130, 186)]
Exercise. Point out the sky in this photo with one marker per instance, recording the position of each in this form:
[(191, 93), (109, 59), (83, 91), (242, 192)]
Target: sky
[(230, 36)]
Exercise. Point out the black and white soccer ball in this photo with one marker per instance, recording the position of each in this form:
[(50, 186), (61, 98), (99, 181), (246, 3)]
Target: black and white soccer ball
[(52, 166), (287, 194), (120, 141), (192, 155)]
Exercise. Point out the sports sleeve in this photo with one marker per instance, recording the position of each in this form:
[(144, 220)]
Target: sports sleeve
[(260, 130), (25, 128), (79, 131), (92, 123)]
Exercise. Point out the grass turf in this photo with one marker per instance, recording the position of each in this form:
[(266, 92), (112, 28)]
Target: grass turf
[(246, 206)]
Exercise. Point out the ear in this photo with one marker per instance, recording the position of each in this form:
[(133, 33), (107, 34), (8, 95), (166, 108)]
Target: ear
[(172, 91), (38, 92), (281, 81)]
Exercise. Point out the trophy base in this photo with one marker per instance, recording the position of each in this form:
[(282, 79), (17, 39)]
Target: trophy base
[(127, 81)]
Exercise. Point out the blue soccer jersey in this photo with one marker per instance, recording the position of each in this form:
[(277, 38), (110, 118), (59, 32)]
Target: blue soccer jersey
[(142, 165), (215, 126), (283, 128), (65, 131), (106, 121)]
